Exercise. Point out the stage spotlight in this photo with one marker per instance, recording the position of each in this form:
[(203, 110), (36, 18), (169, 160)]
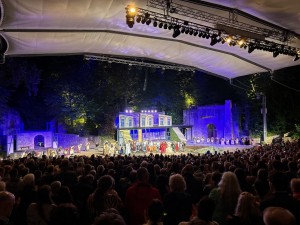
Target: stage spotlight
[(155, 23), (160, 25), (182, 30), (275, 54), (191, 32), (138, 19), (176, 33), (148, 21), (200, 34), (229, 39), (144, 20), (170, 27), (213, 41), (165, 26), (130, 15), (195, 33), (251, 48), (296, 57), (186, 31), (241, 42)]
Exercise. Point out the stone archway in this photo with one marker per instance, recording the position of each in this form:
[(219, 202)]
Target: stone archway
[(211, 131), (39, 141)]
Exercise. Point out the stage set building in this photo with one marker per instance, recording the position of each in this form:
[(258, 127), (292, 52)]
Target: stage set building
[(201, 122)]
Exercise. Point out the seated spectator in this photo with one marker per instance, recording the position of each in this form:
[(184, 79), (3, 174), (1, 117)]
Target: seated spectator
[(7, 201), (39, 212), (225, 197), (139, 196), (279, 185), (65, 214), (205, 210), (104, 197), (177, 203), (247, 211), (109, 217), (295, 188), (278, 216), (155, 213)]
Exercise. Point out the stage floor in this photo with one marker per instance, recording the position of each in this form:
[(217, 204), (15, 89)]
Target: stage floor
[(189, 149)]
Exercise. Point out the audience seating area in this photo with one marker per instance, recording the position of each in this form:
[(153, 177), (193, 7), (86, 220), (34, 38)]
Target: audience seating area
[(258, 185)]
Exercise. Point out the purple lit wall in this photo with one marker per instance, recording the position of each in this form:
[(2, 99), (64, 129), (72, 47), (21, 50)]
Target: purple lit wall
[(218, 121)]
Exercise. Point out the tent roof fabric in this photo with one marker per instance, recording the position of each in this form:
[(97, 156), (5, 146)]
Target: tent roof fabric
[(62, 27)]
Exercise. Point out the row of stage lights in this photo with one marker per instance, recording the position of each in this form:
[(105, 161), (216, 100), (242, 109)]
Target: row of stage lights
[(134, 14), (143, 111)]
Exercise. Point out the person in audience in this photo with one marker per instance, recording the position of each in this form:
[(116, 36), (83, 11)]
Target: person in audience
[(205, 210), (247, 211), (225, 197), (177, 203), (109, 217), (7, 201), (65, 214), (279, 185), (39, 211), (295, 188), (155, 213), (104, 197), (27, 195), (278, 216), (139, 196)]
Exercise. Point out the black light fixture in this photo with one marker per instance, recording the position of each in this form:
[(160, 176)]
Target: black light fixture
[(176, 32), (155, 23), (251, 48), (138, 19), (296, 57), (148, 21), (213, 41), (275, 53)]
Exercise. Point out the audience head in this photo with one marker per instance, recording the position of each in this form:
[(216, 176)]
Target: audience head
[(43, 195), (205, 209), (29, 180), (155, 211), (229, 181), (2, 186), (246, 207), (142, 175), (177, 183), (295, 185), (106, 183), (7, 201), (109, 217), (278, 181), (65, 214), (278, 216)]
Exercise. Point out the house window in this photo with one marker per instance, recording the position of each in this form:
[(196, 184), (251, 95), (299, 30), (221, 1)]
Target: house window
[(122, 122), (161, 121), (143, 122), (150, 122), (169, 122), (130, 122)]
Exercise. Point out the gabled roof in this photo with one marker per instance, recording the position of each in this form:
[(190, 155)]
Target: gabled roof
[(62, 27)]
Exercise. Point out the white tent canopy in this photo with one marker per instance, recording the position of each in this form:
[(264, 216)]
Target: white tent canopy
[(62, 27)]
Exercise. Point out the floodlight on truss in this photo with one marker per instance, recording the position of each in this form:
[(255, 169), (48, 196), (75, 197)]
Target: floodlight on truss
[(170, 7), (131, 62), (219, 34)]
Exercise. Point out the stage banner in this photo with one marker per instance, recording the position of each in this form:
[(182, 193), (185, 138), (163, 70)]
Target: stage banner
[(140, 135)]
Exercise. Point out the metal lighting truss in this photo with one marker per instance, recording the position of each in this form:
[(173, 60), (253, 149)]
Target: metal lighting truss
[(113, 59), (168, 7), (181, 26)]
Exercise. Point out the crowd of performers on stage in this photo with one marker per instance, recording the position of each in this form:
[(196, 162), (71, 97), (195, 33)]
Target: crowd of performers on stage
[(146, 146), (223, 141)]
